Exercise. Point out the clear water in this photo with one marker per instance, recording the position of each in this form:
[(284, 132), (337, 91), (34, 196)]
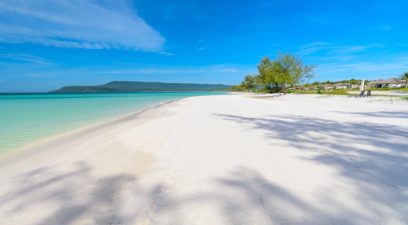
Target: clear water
[(25, 118)]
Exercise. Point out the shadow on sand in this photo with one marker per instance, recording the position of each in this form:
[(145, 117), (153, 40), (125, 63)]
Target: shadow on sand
[(372, 157), (71, 196), (380, 114)]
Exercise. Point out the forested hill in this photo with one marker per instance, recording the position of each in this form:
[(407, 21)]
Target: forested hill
[(135, 86)]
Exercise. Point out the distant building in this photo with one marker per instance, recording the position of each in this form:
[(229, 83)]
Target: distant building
[(342, 86), (327, 86), (346, 86), (388, 83)]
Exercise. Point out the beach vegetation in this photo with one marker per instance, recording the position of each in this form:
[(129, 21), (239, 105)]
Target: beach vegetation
[(404, 76), (319, 90), (335, 92), (283, 73), (238, 88), (249, 83), (278, 75)]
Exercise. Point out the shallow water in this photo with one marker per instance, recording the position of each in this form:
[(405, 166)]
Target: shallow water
[(25, 118)]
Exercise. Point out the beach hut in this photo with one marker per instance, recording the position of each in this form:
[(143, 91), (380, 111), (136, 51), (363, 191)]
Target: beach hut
[(342, 86), (388, 83)]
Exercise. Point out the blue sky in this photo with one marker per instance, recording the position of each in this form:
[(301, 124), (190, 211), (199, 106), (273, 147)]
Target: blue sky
[(45, 44)]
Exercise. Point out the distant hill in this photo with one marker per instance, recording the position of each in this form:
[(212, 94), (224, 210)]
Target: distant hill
[(135, 86)]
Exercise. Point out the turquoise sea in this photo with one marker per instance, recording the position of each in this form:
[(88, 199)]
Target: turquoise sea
[(26, 118)]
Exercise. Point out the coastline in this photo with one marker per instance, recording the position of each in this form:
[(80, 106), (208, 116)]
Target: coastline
[(17, 152), (218, 160), (29, 118)]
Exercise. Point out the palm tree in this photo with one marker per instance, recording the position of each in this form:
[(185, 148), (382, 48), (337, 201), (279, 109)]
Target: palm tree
[(404, 76)]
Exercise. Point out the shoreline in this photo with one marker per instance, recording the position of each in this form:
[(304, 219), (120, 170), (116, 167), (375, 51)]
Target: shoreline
[(27, 119), (82, 129), (122, 118), (218, 160)]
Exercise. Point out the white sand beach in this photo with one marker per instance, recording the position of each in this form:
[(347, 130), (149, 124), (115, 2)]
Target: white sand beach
[(220, 160)]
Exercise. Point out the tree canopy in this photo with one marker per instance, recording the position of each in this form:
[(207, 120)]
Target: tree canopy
[(405, 76), (249, 82), (278, 75)]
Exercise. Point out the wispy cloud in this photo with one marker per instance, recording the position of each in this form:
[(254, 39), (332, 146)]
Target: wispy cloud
[(368, 70), (336, 61), (313, 48), (214, 69), (221, 71), (50, 78), (87, 24), (333, 49), (23, 58)]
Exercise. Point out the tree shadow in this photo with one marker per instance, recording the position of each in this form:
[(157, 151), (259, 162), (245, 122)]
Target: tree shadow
[(374, 158), (371, 157), (243, 196), (250, 198), (76, 196), (381, 114)]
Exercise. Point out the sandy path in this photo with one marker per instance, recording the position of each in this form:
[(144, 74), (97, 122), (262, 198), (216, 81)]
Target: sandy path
[(221, 160)]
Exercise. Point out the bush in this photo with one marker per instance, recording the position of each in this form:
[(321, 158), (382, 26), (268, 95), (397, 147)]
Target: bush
[(336, 92)]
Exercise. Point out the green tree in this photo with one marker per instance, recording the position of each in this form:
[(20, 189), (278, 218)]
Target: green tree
[(237, 88), (282, 73), (404, 76), (249, 83), (354, 81)]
